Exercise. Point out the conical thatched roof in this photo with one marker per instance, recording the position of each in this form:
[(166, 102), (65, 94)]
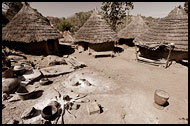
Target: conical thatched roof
[(27, 26), (134, 29), (171, 29), (95, 30), (67, 37)]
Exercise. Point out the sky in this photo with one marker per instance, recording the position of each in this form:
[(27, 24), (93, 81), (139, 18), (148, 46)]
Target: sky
[(67, 9)]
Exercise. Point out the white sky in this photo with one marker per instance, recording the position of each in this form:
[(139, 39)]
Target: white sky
[(66, 9)]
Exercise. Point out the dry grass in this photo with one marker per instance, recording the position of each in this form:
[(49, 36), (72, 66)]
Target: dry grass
[(27, 26), (171, 29), (134, 29), (96, 30), (68, 38)]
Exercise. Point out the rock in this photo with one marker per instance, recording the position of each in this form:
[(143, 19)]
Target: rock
[(45, 81), (77, 95), (9, 84), (16, 57), (13, 121), (55, 60), (14, 107), (93, 108), (65, 56), (56, 70), (86, 82), (31, 76), (76, 84), (5, 96), (75, 106), (30, 113), (14, 99), (3, 106), (66, 97), (37, 122), (68, 106)]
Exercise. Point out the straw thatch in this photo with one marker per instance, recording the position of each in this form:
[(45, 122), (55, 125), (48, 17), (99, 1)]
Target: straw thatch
[(67, 37), (95, 30), (27, 26), (171, 29), (134, 29)]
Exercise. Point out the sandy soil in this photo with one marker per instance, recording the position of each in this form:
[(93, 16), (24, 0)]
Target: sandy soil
[(122, 86)]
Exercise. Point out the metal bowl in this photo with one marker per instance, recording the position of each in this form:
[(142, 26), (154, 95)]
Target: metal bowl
[(49, 112), (161, 97), (18, 68), (44, 81)]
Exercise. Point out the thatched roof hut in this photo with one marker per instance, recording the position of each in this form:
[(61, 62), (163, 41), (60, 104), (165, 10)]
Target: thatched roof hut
[(133, 29), (171, 29), (95, 30), (67, 37), (28, 26)]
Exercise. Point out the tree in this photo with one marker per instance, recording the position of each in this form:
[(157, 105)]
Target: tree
[(64, 25), (186, 7), (54, 20), (115, 11), (79, 19)]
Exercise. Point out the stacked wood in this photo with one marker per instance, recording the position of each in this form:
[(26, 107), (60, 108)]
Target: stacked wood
[(74, 62), (106, 53), (153, 62)]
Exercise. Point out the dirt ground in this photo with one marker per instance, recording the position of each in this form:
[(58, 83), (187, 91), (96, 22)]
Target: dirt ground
[(122, 86)]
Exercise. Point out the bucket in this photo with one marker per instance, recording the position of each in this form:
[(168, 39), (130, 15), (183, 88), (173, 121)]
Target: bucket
[(161, 97)]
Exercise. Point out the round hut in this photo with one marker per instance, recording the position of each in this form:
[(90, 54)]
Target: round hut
[(171, 30), (132, 30), (96, 34), (67, 38), (31, 33), (67, 42)]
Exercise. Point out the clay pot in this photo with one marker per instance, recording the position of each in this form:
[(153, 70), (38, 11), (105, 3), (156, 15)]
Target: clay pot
[(7, 72), (49, 112), (161, 97), (9, 84), (55, 103), (25, 92)]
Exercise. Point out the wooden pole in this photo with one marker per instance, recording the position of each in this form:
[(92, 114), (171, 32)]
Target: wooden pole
[(167, 61), (136, 52)]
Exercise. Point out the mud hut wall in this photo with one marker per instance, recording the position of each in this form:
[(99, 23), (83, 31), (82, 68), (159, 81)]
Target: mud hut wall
[(128, 42), (52, 46), (107, 46), (82, 46), (36, 48), (163, 53)]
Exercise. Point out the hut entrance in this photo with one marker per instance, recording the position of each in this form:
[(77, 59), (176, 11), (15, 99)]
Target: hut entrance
[(82, 46), (128, 42), (85, 46), (50, 46)]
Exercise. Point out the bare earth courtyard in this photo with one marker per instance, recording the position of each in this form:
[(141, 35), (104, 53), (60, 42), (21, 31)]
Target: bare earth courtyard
[(122, 86)]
